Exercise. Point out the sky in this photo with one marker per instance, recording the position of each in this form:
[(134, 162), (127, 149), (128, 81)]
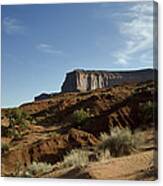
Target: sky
[(41, 43)]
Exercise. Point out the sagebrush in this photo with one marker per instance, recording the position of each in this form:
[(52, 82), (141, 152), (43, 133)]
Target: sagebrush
[(76, 158), (120, 142), (37, 168)]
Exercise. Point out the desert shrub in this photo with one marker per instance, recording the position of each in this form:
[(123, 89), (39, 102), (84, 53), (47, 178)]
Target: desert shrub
[(19, 117), (37, 168), (120, 142), (4, 147), (12, 132), (76, 158), (18, 121), (146, 113), (104, 136), (80, 116)]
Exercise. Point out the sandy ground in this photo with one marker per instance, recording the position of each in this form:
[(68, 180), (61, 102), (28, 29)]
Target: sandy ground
[(129, 167), (134, 167)]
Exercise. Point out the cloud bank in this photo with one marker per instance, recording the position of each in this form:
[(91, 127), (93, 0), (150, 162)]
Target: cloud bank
[(46, 48), (136, 29), (12, 26)]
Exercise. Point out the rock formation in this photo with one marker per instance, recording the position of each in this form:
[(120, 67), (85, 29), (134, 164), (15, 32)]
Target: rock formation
[(81, 80)]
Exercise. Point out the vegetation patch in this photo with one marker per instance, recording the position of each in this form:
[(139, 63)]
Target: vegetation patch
[(18, 122), (76, 158), (80, 116), (19, 117), (146, 113), (4, 148), (120, 142), (37, 168)]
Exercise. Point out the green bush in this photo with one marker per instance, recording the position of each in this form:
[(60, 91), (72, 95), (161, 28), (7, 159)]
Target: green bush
[(120, 142), (80, 116), (37, 168), (76, 158)]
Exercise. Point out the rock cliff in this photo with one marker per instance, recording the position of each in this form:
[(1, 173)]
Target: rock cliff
[(81, 80)]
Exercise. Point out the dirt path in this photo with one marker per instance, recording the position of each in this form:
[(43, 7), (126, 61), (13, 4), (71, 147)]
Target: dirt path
[(130, 167)]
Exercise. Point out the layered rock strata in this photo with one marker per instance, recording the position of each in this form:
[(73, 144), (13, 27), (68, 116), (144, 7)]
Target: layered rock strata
[(81, 80)]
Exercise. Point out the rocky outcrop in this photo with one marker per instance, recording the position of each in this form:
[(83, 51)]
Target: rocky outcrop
[(41, 97), (50, 150), (55, 132), (81, 80), (44, 96)]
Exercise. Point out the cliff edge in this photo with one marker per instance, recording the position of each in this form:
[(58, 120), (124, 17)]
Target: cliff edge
[(86, 80)]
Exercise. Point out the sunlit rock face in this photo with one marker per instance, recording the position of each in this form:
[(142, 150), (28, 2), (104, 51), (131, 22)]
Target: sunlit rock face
[(81, 80)]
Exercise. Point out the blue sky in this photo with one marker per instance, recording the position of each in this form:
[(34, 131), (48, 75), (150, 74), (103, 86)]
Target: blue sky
[(40, 43)]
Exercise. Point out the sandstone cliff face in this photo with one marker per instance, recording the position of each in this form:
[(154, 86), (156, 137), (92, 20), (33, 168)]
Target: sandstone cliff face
[(80, 80)]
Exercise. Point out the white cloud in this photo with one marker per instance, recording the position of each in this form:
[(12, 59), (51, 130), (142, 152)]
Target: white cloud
[(136, 28), (46, 48), (122, 58), (12, 25)]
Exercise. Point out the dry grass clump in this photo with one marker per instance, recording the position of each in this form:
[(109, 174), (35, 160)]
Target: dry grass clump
[(120, 142), (37, 168), (76, 158), (104, 136)]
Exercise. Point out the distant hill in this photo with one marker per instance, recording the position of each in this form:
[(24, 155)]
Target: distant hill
[(87, 80)]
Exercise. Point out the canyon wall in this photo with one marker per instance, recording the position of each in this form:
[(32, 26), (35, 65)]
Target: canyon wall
[(82, 80)]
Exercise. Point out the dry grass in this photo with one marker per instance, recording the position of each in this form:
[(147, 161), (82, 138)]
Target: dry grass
[(37, 168), (120, 142), (76, 158)]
